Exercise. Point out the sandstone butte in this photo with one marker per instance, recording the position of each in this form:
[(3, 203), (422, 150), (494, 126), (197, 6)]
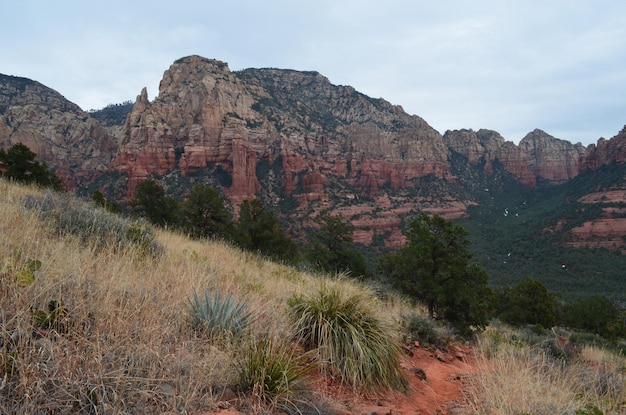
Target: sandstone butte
[(282, 134)]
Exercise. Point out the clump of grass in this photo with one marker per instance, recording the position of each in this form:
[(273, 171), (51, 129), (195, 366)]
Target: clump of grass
[(69, 216), (273, 373), (219, 315), (350, 339)]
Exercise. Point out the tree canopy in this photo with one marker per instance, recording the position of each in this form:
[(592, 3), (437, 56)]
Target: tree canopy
[(152, 202), (258, 230), (18, 163), (434, 267), (331, 247), (204, 213), (527, 302), (597, 315)]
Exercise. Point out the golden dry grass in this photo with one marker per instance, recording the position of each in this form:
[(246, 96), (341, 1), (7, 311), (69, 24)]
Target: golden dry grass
[(515, 378), (127, 345)]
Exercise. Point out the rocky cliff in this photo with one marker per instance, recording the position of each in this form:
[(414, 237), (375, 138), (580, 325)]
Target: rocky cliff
[(539, 156), (290, 138), (58, 131), (206, 115)]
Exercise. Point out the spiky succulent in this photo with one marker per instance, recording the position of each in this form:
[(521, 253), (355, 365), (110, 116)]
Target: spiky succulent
[(219, 315)]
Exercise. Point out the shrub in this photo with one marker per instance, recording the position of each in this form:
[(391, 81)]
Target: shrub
[(350, 340), (217, 315), (421, 328), (95, 226), (273, 372), (22, 270)]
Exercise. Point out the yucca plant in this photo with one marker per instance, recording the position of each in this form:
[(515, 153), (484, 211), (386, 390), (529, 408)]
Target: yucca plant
[(350, 340), (273, 372), (219, 315)]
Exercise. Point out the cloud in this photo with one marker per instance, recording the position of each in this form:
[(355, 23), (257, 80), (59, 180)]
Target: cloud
[(511, 67)]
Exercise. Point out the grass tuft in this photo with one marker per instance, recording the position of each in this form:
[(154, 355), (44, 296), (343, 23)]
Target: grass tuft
[(273, 373), (350, 340)]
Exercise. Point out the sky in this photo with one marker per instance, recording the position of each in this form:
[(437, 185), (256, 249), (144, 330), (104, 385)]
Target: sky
[(510, 66)]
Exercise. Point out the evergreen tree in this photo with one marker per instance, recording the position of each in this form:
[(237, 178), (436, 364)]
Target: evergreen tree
[(527, 302), (434, 267), (152, 202), (258, 230), (18, 163), (331, 247), (597, 315), (204, 213)]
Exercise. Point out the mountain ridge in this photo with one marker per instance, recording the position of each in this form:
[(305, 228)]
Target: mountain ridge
[(300, 144)]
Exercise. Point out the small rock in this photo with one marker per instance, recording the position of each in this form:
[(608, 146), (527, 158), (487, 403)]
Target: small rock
[(440, 356), (419, 373)]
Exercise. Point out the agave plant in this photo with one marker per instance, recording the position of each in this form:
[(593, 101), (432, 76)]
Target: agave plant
[(219, 315)]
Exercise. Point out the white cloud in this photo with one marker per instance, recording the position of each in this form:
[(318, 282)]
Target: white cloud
[(509, 66)]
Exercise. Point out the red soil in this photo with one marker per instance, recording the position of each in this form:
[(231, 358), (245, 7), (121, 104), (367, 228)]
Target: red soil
[(440, 393)]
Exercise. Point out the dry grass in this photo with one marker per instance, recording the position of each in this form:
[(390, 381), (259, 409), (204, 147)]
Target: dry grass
[(127, 345), (514, 378)]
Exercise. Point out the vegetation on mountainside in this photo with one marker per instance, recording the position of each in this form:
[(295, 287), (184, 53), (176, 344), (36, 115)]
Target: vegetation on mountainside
[(92, 322), (121, 339), (18, 163), (514, 234), (113, 114), (435, 267)]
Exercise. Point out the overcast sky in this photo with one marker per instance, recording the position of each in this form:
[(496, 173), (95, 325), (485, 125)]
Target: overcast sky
[(510, 66)]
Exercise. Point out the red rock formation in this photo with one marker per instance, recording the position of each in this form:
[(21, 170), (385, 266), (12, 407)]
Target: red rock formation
[(209, 116), (551, 159), (605, 152), (280, 134), (68, 139), (538, 156)]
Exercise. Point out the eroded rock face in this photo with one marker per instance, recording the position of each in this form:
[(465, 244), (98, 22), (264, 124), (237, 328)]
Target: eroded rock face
[(286, 137), (330, 142), (68, 139), (539, 156), (551, 159), (605, 152)]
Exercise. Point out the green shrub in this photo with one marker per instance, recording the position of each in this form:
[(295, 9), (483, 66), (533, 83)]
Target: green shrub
[(22, 270), (422, 329), (217, 315), (69, 216), (589, 410), (273, 372), (350, 340)]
